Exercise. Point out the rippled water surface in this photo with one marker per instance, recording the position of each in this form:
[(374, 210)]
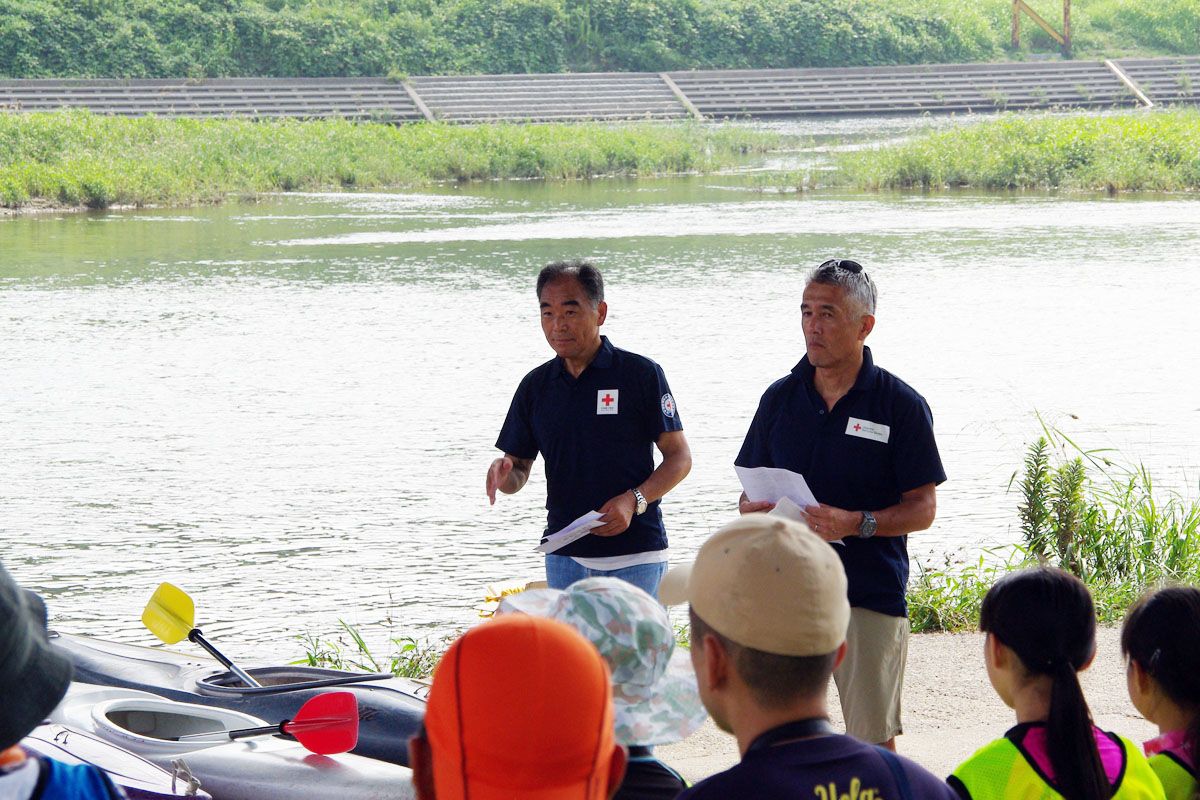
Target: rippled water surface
[(288, 408)]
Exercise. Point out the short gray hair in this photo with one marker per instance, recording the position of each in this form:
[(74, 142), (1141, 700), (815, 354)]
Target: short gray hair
[(849, 275)]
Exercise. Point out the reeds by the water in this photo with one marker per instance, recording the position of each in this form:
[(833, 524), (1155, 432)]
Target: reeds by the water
[(78, 158), (1106, 522), (1156, 151)]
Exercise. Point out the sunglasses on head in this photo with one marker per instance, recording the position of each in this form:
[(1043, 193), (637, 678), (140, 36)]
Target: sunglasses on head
[(842, 263)]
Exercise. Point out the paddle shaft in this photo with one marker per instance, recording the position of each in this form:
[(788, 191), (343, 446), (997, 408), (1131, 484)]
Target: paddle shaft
[(238, 734), (196, 636)]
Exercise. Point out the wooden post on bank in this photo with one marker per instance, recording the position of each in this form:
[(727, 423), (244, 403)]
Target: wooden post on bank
[(1063, 38)]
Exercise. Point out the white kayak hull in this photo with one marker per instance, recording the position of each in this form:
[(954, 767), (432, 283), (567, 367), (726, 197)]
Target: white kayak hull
[(260, 768), (141, 779)]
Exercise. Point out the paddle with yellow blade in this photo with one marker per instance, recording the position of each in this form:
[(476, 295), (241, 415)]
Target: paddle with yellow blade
[(326, 724), (170, 615)]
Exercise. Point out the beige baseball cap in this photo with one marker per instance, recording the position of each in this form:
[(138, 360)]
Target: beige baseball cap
[(768, 583)]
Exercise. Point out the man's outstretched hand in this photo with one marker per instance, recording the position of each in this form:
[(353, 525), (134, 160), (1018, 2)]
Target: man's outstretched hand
[(497, 473)]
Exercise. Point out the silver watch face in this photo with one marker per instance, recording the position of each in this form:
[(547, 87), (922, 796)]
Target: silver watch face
[(642, 505), (866, 528)]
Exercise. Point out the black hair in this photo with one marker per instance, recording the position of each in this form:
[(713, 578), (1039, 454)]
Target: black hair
[(1046, 616), (588, 276), (1162, 634), (774, 680)]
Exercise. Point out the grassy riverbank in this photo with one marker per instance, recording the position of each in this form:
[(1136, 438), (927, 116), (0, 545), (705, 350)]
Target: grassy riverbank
[(1084, 512), (1156, 151), (318, 38), (78, 158)]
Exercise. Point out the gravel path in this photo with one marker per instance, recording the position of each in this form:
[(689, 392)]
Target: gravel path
[(950, 709)]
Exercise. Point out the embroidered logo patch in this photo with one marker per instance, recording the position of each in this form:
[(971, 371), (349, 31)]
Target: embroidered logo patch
[(866, 429), (668, 405), (606, 401)]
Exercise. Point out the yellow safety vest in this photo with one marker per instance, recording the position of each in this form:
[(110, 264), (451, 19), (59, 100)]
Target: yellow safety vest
[(1001, 771), (1178, 781)]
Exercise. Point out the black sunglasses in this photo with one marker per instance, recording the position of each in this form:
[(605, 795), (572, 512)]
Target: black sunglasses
[(842, 263)]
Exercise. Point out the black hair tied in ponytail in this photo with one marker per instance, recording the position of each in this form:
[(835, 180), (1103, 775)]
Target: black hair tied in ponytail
[(1047, 618), (1162, 634)]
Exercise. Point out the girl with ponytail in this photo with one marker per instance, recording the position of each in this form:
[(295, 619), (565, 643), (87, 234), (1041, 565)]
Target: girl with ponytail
[(1041, 631), (1161, 641)]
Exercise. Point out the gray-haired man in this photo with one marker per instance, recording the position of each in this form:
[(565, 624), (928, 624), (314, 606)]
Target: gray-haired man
[(863, 439)]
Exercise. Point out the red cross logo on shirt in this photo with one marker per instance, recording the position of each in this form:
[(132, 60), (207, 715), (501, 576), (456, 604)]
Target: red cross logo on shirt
[(607, 400), (858, 427)]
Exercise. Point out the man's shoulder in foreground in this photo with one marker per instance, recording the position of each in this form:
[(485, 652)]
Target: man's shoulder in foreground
[(825, 768)]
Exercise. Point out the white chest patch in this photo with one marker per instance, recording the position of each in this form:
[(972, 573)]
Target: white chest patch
[(866, 429), (606, 401)]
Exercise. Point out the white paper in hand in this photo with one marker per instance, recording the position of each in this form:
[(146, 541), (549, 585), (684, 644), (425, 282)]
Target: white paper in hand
[(789, 510), (768, 484), (576, 530)]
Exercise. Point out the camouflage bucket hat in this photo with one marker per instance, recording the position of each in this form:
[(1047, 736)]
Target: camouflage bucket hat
[(654, 686)]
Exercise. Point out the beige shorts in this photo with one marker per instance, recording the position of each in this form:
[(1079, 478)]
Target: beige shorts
[(871, 677)]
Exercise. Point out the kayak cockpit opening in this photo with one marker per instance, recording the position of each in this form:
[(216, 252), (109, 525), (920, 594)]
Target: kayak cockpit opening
[(279, 679), (162, 724)]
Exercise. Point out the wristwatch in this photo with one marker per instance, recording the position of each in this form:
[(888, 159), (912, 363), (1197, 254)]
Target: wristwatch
[(641, 501), (866, 528)]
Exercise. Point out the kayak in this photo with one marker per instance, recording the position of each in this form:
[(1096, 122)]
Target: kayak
[(141, 779), (390, 709), (259, 768)]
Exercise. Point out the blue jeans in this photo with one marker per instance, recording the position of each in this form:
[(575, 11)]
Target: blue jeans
[(562, 571)]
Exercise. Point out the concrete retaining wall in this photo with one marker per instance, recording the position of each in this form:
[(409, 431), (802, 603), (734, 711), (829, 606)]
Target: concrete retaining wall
[(753, 94)]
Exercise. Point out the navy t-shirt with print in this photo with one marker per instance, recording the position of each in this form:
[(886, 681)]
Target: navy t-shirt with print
[(824, 768), (597, 434), (874, 445)]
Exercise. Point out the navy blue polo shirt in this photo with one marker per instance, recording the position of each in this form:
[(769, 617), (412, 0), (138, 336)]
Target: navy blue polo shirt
[(824, 767), (876, 444), (597, 434)]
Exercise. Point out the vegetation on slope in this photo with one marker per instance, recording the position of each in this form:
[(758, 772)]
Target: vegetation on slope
[(318, 38)]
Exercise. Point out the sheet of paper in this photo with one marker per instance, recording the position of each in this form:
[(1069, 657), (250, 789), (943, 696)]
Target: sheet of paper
[(786, 508), (768, 484), (576, 530)]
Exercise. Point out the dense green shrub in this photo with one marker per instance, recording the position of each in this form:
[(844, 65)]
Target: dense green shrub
[(282, 38)]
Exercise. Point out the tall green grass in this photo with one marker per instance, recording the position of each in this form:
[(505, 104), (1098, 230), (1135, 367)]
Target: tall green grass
[(80, 158), (1104, 521), (1157, 151), (348, 650)]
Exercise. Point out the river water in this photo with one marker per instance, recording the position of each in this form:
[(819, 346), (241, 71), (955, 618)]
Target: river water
[(287, 408)]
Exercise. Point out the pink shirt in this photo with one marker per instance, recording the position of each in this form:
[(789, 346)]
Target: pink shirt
[(1175, 742), (1112, 756)]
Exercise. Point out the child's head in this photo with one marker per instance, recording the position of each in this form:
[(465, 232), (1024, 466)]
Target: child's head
[(1045, 621), (1161, 639), (1045, 616)]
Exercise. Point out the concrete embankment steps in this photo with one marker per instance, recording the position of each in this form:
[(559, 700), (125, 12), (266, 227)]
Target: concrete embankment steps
[(352, 98), (602, 95), (898, 90), (1166, 80), (762, 94)]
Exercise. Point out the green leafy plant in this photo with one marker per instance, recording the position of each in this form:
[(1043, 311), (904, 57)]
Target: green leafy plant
[(406, 657)]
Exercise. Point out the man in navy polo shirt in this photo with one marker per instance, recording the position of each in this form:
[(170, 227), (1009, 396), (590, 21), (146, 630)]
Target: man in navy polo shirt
[(594, 412), (863, 439)]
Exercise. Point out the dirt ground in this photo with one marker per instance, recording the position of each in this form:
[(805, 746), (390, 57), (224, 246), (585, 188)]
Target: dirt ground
[(950, 709)]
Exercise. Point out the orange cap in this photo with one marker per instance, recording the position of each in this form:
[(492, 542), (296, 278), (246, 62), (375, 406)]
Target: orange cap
[(521, 707)]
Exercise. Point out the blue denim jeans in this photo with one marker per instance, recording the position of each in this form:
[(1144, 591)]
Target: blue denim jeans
[(562, 571)]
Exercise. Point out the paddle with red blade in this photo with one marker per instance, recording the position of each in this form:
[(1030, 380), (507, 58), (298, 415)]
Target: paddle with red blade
[(326, 724)]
